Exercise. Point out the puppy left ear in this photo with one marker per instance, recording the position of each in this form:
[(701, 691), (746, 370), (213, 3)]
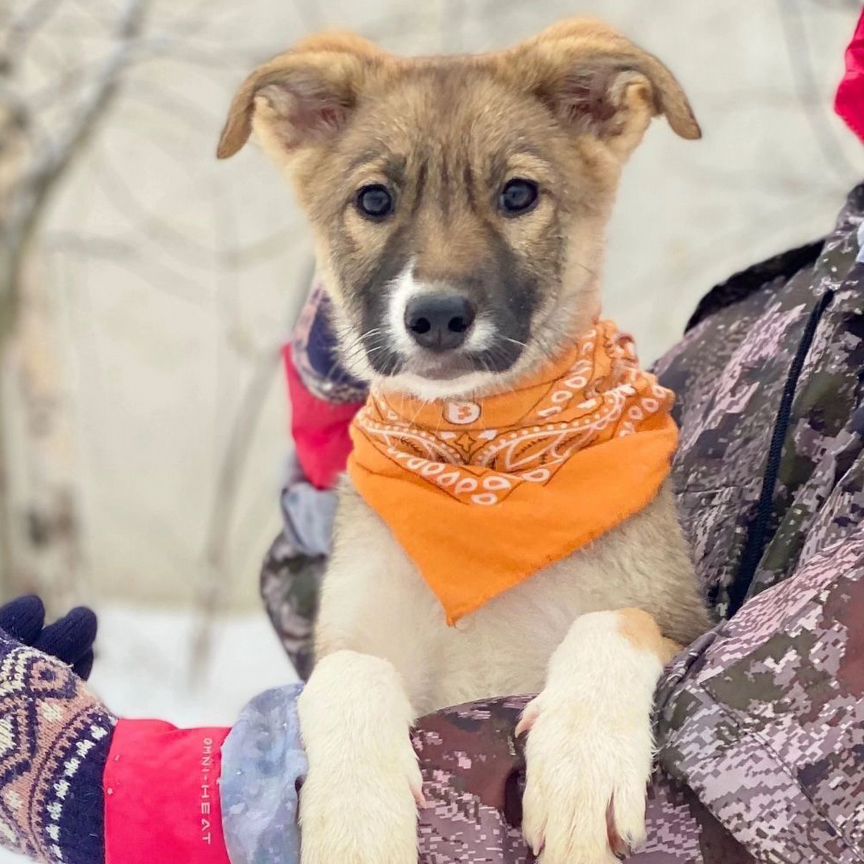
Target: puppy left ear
[(302, 97), (599, 83)]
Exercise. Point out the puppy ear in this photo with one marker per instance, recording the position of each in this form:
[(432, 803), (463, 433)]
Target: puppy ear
[(302, 96), (601, 84)]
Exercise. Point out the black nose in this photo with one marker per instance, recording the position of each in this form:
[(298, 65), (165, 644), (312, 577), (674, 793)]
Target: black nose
[(439, 322)]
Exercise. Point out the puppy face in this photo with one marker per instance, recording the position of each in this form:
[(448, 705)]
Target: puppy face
[(459, 204)]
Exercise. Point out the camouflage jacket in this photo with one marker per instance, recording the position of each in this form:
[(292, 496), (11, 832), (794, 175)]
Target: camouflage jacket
[(760, 723)]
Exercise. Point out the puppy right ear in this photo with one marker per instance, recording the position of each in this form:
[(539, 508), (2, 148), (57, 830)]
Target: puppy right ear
[(599, 83), (300, 97)]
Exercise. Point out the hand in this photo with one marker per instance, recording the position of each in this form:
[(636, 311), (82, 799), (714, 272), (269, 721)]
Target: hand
[(70, 639)]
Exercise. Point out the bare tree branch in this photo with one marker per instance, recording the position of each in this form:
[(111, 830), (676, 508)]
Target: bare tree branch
[(225, 496), (27, 198), (33, 192), (130, 257), (22, 29)]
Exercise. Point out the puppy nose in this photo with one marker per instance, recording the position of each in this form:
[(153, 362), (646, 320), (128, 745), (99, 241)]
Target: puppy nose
[(439, 322)]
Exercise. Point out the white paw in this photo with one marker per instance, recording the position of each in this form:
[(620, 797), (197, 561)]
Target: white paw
[(368, 817), (358, 804), (589, 750)]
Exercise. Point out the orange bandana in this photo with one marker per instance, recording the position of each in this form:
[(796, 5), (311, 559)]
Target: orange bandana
[(482, 495)]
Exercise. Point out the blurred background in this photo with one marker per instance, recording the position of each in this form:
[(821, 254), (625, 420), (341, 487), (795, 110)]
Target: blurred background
[(145, 288)]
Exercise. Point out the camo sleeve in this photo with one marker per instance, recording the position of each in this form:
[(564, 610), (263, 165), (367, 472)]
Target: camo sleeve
[(473, 772), (764, 718)]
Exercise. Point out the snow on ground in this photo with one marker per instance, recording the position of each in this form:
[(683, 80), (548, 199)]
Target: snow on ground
[(143, 668)]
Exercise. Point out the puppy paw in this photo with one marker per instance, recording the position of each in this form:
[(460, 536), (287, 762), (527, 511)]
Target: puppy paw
[(359, 802), (367, 817), (589, 749)]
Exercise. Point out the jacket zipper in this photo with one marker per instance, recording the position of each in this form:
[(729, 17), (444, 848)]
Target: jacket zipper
[(758, 534)]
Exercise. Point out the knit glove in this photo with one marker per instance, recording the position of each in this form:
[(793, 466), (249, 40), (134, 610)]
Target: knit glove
[(70, 639), (54, 736)]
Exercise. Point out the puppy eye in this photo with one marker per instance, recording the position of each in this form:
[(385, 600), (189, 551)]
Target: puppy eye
[(375, 201), (518, 197)]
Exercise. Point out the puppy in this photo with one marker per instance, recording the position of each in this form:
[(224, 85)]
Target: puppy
[(507, 525)]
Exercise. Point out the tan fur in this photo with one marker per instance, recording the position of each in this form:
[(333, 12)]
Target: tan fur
[(642, 631), (564, 109)]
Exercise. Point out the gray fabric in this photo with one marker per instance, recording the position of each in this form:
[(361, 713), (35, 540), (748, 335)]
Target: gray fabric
[(308, 514), (263, 766)]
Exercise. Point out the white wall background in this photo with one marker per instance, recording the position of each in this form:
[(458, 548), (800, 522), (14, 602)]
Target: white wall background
[(170, 277)]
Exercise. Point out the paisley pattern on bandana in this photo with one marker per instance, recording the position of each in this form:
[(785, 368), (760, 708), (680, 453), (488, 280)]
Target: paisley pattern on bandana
[(472, 452)]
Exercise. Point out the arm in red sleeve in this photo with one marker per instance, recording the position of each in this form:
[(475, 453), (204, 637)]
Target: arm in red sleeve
[(162, 798)]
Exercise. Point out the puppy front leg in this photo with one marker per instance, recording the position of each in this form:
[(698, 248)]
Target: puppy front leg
[(590, 747), (359, 802)]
